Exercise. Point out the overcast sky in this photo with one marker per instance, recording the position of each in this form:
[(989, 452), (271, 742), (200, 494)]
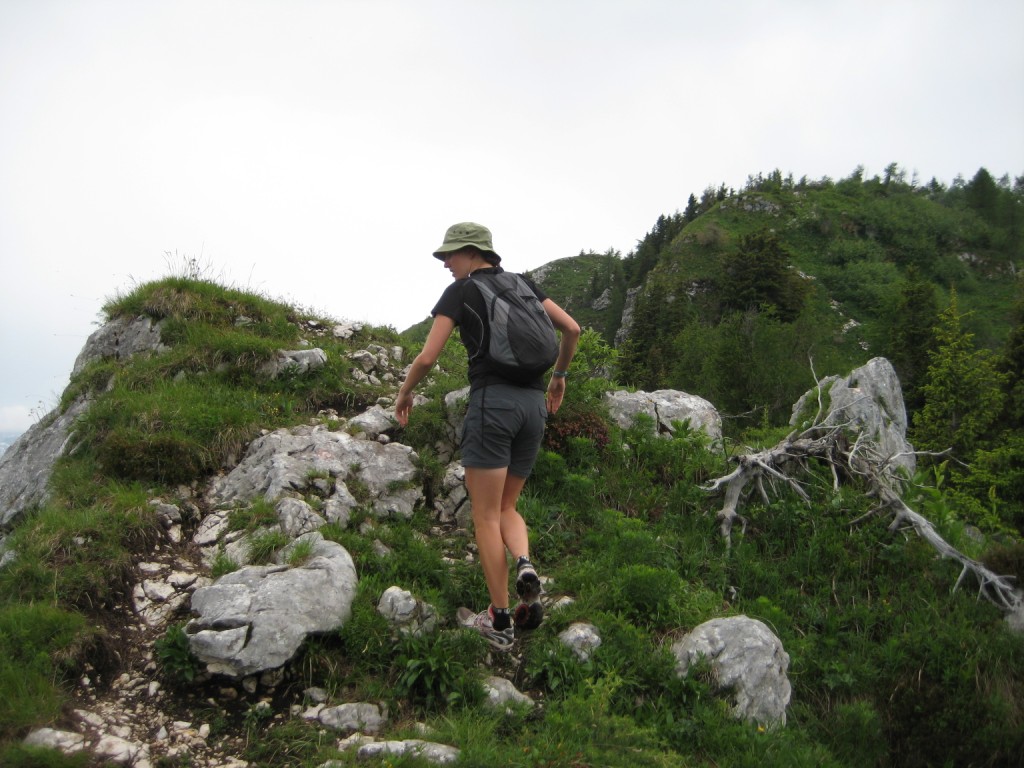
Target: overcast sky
[(317, 151)]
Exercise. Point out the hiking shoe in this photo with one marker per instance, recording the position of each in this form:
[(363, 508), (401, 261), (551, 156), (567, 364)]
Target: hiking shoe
[(528, 615), (483, 622), (527, 582)]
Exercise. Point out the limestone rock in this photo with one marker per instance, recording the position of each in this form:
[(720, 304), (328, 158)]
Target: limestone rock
[(66, 741), (581, 638), (455, 413), (665, 406), (120, 338), (438, 754), (747, 660), (870, 401), (501, 693), (296, 517), (26, 466), (373, 422), (255, 618), (298, 361), (452, 504), (352, 717), (290, 460), (406, 613)]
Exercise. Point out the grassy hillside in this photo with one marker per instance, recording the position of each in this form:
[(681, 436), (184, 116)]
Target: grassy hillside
[(888, 667)]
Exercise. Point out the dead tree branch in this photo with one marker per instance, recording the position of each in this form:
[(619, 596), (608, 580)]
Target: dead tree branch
[(829, 444)]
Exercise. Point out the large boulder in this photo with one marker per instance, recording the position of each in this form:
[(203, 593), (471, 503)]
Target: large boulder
[(747, 661), (665, 406), (289, 461), (869, 401), (254, 619)]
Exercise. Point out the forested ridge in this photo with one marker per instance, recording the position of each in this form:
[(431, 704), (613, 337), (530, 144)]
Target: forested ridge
[(746, 294)]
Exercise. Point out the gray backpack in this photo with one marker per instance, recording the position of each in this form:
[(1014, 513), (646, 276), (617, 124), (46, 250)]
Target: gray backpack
[(521, 343)]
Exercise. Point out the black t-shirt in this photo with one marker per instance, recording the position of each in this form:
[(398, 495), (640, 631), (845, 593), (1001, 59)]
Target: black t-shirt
[(462, 302)]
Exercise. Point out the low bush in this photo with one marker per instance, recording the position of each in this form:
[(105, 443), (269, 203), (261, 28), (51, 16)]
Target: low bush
[(175, 655)]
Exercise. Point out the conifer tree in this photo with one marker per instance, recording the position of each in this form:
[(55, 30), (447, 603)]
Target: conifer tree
[(910, 338), (963, 391), (1012, 364), (758, 276)]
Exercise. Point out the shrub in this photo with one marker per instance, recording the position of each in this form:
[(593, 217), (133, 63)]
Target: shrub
[(552, 666), (440, 670), (259, 514), (573, 423), (222, 564), (175, 655)]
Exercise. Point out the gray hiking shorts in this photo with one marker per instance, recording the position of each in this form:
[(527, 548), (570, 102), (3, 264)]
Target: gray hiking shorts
[(503, 428)]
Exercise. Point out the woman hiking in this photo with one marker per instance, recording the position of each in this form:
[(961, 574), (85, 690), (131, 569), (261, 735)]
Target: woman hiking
[(504, 423)]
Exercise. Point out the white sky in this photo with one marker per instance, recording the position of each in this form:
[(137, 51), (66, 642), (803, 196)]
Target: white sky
[(316, 151)]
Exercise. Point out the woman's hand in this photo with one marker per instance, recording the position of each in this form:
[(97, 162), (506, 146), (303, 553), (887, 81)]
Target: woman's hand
[(556, 391), (403, 405), (440, 330)]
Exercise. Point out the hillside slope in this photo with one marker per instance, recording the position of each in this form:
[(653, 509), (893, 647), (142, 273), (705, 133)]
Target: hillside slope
[(887, 666)]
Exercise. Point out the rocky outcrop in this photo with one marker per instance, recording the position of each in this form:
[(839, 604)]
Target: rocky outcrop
[(452, 504), (354, 472), (748, 664), (26, 466), (665, 406), (376, 365), (120, 339), (626, 323)]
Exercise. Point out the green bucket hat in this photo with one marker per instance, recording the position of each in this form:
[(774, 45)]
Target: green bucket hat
[(467, 234)]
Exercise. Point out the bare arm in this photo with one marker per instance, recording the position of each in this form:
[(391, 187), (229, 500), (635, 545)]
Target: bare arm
[(570, 331), (425, 360)]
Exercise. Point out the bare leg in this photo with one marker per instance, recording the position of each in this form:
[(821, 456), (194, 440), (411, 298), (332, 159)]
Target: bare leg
[(513, 527), (486, 490)]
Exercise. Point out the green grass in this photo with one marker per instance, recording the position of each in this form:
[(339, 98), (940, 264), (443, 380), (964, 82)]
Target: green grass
[(79, 556), (38, 647)]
